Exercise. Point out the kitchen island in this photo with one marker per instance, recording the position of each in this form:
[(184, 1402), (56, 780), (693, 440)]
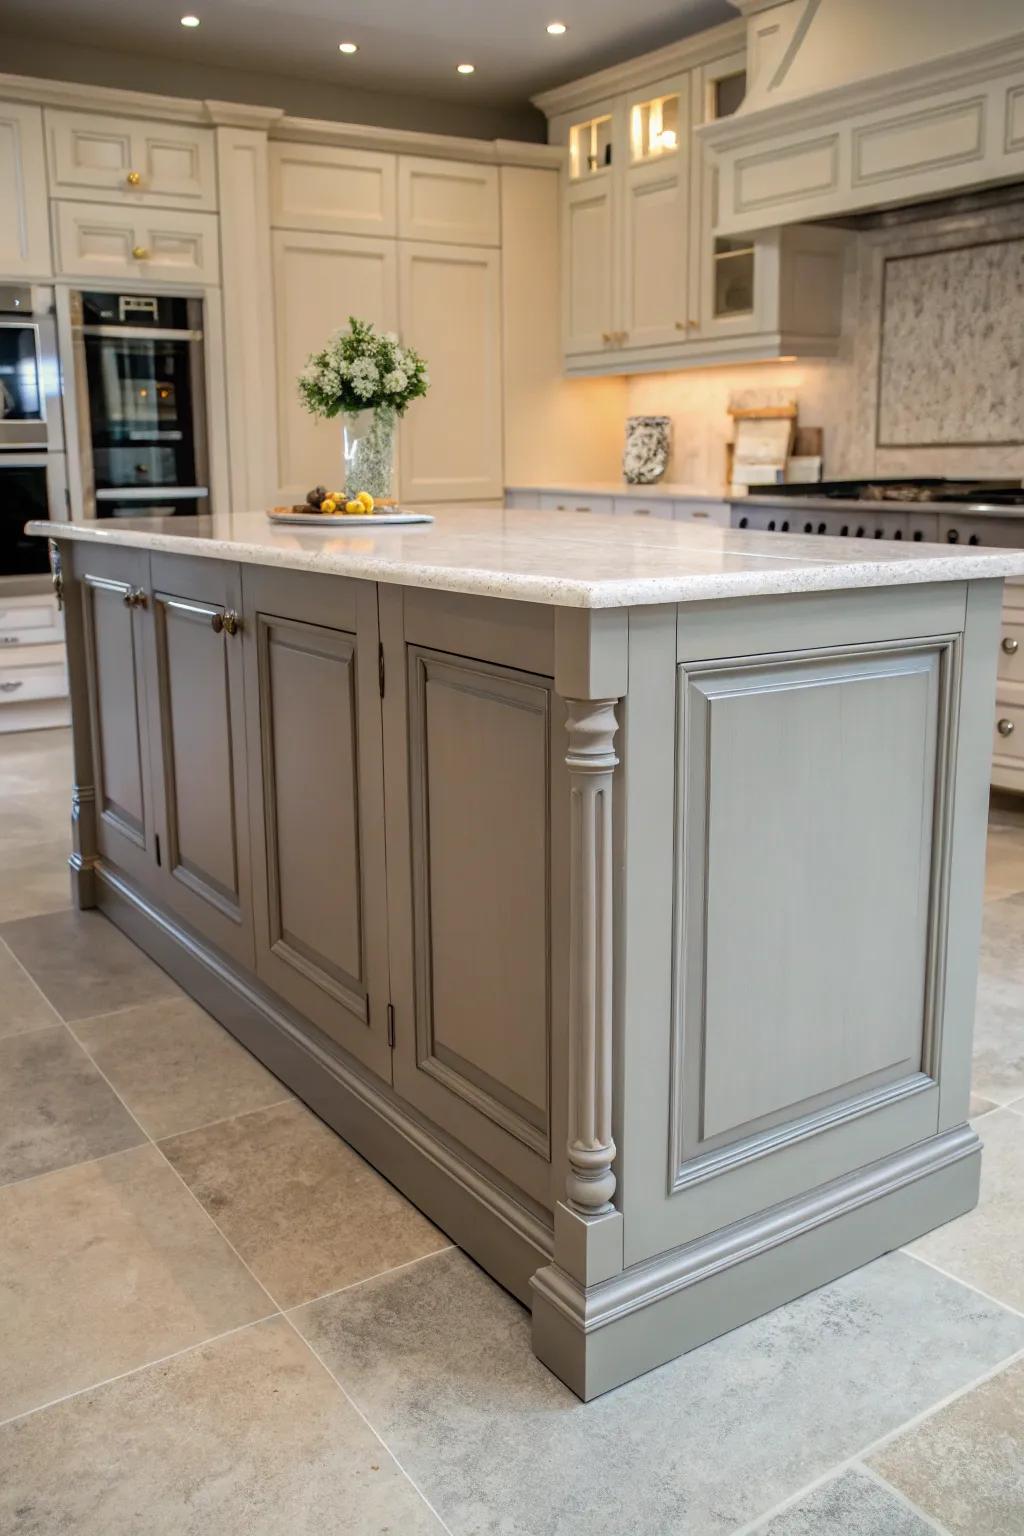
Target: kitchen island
[(615, 889)]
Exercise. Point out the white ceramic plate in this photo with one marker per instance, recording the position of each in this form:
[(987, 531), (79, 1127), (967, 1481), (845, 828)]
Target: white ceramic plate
[(347, 519)]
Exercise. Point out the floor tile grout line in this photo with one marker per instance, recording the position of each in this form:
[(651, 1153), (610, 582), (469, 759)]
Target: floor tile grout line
[(901, 1498), (967, 1284), (135, 1370), (86, 1162), (33, 983), (370, 1426), (381, 1274), (856, 1457), (206, 1125)]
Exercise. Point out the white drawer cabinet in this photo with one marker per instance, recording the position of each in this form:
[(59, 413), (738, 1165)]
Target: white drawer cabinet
[(95, 158), (115, 241), (717, 513), (24, 227), (448, 201), (336, 190), (644, 506), (574, 501), (26, 620), (33, 689)]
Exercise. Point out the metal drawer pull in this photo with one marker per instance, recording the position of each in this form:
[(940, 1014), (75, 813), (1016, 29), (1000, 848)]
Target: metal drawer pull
[(228, 621), (1010, 645), (1005, 727), (9, 640), (10, 687)]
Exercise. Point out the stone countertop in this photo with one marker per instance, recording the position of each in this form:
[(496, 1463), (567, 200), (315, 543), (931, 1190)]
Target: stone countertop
[(560, 558)]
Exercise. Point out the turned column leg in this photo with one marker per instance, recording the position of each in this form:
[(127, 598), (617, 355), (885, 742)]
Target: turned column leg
[(591, 726)]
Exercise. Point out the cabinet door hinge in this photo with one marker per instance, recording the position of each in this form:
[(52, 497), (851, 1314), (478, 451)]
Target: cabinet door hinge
[(156, 839), (380, 668), (391, 1025)]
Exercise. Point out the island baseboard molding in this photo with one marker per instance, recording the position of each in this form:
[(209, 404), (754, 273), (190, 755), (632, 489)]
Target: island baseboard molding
[(630, 930)]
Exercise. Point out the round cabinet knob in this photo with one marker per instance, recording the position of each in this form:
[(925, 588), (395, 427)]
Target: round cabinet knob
[(822, 528), (606, 337), (953, 536), (974, 539), (133, 178), (681, 325), (1005, 727), (1010, 645), (139, 253)]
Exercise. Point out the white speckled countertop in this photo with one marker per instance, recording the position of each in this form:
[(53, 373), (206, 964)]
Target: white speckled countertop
[(562, 558)]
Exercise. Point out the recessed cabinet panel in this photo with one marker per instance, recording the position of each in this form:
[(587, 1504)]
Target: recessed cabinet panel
[(319, 280), (145, 245), (451, 312), (143, 163), (197, 716), (589, 274), (448, 201), (654, 263), (321, 187), (24, 226)]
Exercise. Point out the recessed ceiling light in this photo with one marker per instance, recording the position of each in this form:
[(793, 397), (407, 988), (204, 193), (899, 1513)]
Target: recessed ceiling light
[(556, 28), (465, 69), (190, 21), (349, 47)]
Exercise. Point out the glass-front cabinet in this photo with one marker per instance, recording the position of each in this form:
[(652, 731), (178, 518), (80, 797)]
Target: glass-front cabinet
[(655, 215), (727, 301), (590, 227)]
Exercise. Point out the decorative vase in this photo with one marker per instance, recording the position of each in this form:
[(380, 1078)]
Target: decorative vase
[(645, 457), (368, 449)]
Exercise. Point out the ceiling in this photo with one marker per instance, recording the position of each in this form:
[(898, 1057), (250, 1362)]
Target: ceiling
[(404, 45)]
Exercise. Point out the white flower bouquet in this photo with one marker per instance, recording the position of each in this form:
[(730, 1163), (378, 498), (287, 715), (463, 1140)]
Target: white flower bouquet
[(359, 370)]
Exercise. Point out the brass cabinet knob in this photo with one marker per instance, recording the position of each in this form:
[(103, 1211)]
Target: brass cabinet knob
[(133, 178), (140, 253), (1005, 727), (682, 325), (1010, 645), (135, 597), (228, 622), (606, 337)]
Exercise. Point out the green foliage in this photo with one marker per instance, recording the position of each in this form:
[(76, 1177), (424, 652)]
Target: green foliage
[(358, 370)]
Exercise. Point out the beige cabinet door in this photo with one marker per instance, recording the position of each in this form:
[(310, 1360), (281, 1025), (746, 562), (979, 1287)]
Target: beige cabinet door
[(449, 201), (150, 245), (197, 730), (656, 215), (476, 798), (317, 793), (336, 190), (590, 271), (319, 281), (114, 586), (24, 226), (144, 163), (450, 306)]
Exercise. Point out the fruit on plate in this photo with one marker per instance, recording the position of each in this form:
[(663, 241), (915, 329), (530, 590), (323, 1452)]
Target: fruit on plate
[(354, 508), (328, 504), (316, 496), (366, 499)]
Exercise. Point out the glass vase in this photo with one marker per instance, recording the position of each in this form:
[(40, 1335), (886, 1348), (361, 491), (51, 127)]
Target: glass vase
[(368, 450)]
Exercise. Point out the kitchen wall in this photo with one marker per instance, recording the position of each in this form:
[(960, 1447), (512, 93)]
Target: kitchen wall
[(929, 378)]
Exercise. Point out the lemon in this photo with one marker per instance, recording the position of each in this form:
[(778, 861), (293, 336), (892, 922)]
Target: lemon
[(355, 507), (366, 499), (328, 504)]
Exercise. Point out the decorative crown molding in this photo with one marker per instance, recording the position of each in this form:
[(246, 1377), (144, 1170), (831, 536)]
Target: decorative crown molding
[(702, 48)]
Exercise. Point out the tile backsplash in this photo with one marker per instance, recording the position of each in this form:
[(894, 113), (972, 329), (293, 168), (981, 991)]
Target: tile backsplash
[(929, 376)]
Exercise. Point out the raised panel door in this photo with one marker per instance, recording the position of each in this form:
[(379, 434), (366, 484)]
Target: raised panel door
[(314, 735), (114, 586), (319, 281), (450, 305), (99, 158), (24, 227), (589, 276), (197, 727), (332, 189), (448, 201), (143, 244), (655, 215)]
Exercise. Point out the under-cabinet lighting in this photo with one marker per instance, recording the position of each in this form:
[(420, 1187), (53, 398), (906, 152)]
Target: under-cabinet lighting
[(556, 28), (190, 21), (465, 69), (348, 47)]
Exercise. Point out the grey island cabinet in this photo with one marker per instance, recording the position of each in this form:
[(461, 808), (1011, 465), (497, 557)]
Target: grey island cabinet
[(614, 889)]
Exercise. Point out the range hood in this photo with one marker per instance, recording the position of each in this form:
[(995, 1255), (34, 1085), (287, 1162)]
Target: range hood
[(859, 104)]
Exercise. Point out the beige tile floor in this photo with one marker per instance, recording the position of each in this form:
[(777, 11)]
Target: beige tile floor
[(215, 1318)]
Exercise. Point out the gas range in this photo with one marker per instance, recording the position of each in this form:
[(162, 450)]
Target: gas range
[(927, 510)]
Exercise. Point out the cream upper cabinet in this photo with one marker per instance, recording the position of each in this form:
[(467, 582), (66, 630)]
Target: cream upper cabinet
[(24, 228), (656, 215), (731, 297), (151, 164), (590, 264), (149, 244), (319, 281), (450, 303), (449, 201), (337, 190)]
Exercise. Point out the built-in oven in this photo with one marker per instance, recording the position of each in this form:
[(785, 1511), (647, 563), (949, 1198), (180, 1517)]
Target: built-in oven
[(32, 486), (30, 411), (141, 400)]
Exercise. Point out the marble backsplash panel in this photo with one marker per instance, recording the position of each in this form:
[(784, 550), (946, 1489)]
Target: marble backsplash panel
[(929, 376)]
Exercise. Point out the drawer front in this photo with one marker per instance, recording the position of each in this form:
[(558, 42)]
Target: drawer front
[(716, 512), (1011, 647), (566, 501), (1008, 731), (36, 622), (23, 684), (108, 240), (97, 158), (641, 506), (341, 191)]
